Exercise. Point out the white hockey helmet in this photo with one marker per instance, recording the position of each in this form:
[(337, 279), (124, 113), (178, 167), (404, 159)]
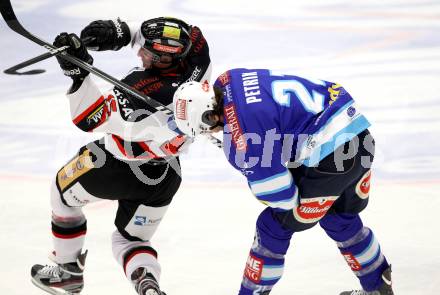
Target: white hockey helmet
[(193, 102)]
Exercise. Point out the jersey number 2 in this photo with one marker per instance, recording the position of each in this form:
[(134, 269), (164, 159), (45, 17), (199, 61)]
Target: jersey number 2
[(283, 89)]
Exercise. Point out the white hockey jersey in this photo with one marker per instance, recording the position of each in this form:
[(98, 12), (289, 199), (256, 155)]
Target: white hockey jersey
[(133, 129)]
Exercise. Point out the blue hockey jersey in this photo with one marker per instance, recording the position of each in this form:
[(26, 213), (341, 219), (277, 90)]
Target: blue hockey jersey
[(278, 122)]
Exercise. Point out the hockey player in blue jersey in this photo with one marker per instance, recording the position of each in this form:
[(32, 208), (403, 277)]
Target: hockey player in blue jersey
[(306, 152)]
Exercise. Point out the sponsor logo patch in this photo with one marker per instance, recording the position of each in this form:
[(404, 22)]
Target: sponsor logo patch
[(352, 261), (363, 186), (181, 109), (166, 48), (144, 82), (143, 220), (74, 169), (140, 220), (351, 111), (227, 92), (335, 91), (110, 104), (254, 268), (99, 115), (313, 209), (73, 72), (119, 31), (195, 74), (234, 125), (224, 78)]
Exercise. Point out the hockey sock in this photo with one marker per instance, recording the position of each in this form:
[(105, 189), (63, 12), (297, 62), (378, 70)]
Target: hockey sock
[(141, 256), (265, 264), (67, 241), (132, 255), (358, 246), (263, 270), (364, 256)]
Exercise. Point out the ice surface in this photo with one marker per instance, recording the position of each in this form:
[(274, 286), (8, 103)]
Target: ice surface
[(385, 53)]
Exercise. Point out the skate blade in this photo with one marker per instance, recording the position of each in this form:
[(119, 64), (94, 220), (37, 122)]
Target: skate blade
[(54, 291)]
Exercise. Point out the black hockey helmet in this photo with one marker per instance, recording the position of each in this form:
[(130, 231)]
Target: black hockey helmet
[(165, 36)]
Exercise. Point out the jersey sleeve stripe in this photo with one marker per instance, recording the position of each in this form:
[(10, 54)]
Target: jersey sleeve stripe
[(133, 151), (345, 124), (343, 136), (274, 191), (147, 150), (286, 204), (96, 105), (119, 144), (271, 185)]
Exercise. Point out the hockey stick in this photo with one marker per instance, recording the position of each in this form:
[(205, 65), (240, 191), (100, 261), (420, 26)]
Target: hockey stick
[(11, 20), (14, 70)]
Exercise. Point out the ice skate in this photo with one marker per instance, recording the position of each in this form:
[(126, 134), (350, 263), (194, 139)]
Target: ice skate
[(60, 279), (145, 283), (384, 289)]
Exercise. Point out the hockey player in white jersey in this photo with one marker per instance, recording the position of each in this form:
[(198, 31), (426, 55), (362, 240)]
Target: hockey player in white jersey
[(135, 163)]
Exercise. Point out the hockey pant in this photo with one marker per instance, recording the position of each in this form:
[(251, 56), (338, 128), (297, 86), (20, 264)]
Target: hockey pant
[(340, 221), (141, 206)]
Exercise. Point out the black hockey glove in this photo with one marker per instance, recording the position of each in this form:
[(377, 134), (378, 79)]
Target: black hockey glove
[(77, 49), (108, 34)]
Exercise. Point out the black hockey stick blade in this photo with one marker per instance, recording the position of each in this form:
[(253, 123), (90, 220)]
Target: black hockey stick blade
[(14, 70)]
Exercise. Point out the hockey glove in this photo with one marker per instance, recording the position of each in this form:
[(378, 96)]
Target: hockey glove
[(77, 49), (108, 34)]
